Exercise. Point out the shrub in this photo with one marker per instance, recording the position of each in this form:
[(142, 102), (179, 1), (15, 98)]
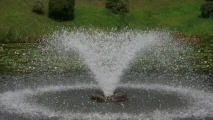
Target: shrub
[(3, 36), (210, 0), (207, 10), (61, 10), (11, 35), (118, 6), (38, 7)]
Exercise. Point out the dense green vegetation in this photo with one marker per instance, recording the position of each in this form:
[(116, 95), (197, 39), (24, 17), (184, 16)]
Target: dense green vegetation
[(118, 6), (61, 10), (19, 24), (207, 10)]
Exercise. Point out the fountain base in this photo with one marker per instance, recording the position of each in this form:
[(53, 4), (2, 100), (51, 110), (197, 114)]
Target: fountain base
[(113, 98)]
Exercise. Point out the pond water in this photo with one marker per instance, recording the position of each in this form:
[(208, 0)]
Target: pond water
[(66, 95)]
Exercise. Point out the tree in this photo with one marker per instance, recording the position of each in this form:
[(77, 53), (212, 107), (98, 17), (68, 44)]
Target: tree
[(207, 10), (61, 10)]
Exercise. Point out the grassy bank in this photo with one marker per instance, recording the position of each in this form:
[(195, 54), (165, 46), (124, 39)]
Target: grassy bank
[(20, 24), (27, 57)]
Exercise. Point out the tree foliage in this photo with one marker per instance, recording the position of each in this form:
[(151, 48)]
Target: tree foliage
[(118, 6), (61, 10), (207, 10)]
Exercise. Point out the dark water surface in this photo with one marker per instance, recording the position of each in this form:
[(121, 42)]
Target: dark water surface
[(66, 95)]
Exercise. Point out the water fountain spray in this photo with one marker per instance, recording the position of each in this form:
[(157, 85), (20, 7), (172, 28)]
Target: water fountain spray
[(107, 54)]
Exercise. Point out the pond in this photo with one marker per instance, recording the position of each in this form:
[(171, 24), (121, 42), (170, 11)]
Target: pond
[(66, 95), (54, 80)]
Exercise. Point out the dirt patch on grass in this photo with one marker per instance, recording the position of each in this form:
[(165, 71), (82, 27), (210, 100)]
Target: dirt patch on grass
[(178, 36)]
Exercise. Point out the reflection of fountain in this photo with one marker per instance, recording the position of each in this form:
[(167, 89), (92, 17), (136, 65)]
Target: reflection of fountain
[(159, 91)]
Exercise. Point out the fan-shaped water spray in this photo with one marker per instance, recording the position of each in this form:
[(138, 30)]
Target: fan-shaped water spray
[(107, 54)]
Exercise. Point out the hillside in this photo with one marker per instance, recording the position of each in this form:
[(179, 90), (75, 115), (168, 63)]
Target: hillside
[(18, 20)]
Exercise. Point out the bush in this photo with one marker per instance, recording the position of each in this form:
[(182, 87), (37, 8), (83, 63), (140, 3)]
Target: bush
[(11, 35), (3, 36), (207, 10), (118, 6), (210, 0), (38, 7), (61, 10)]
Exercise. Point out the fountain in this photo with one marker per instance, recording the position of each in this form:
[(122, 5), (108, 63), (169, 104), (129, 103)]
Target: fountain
[(107, 54), (145, 65)]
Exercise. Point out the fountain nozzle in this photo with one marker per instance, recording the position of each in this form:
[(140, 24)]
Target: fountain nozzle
[(113, 98)]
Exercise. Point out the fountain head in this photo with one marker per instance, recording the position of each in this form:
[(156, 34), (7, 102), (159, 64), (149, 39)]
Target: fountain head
[(113, 98)]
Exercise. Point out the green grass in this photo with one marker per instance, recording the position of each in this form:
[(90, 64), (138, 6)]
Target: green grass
[(27, 57), (179, 15)]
